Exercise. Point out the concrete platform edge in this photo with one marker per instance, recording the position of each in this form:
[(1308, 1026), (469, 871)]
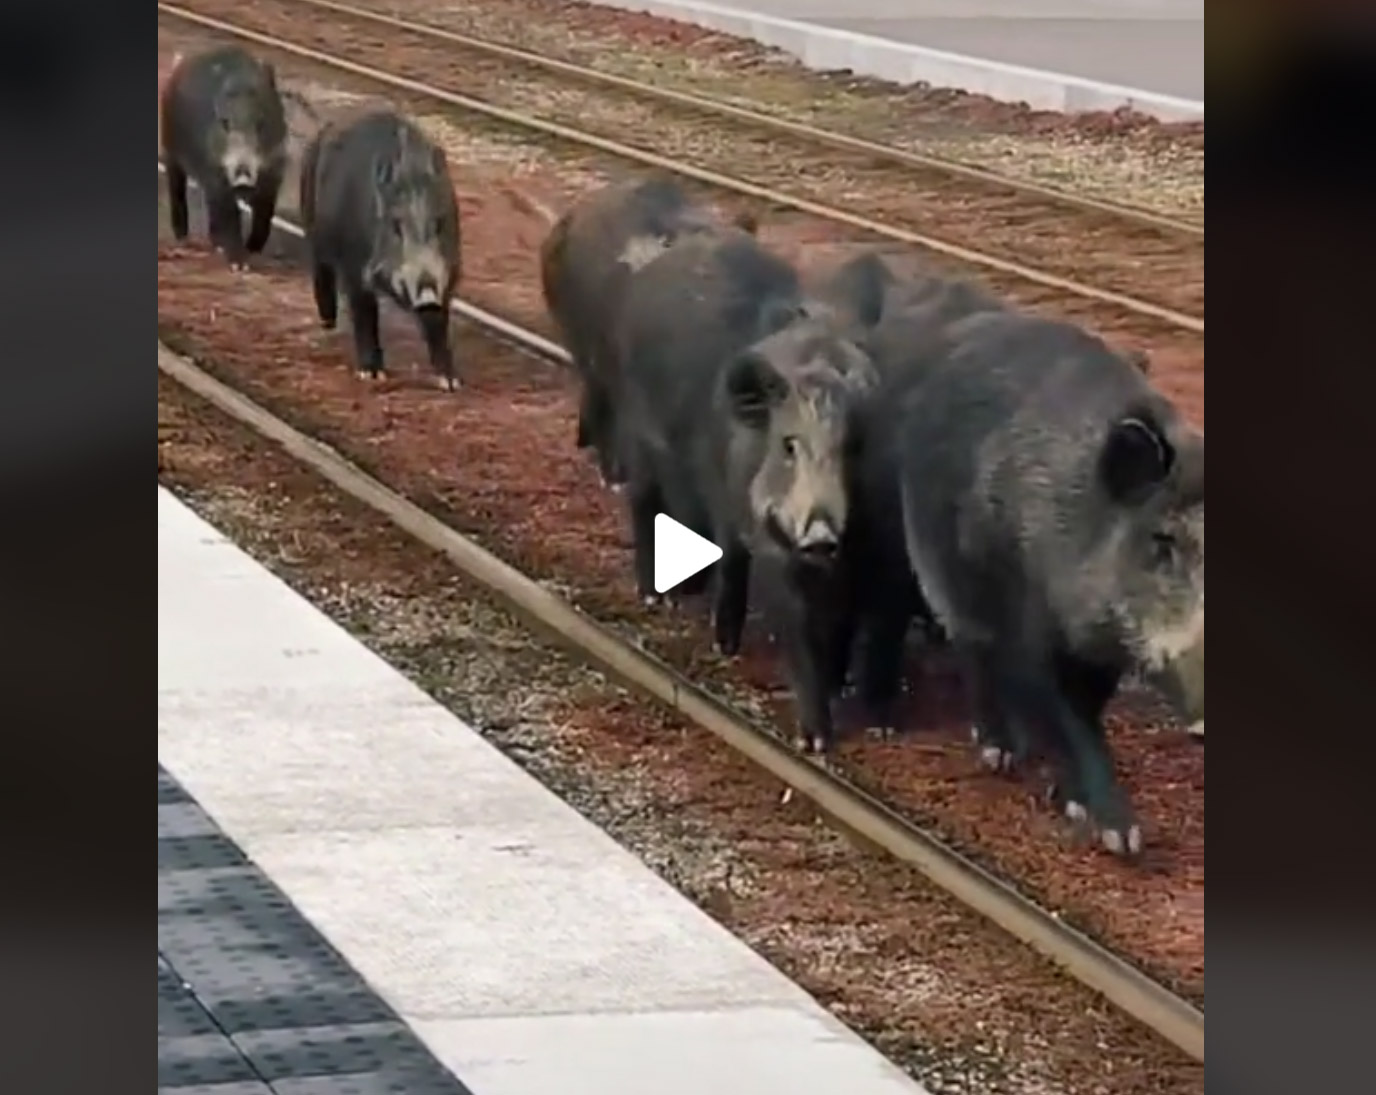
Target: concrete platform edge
[(827, 48)]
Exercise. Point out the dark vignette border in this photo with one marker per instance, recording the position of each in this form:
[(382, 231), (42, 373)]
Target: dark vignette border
[(1291, 207), (74, 224)]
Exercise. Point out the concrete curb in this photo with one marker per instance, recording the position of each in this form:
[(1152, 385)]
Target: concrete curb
[(827, 48)]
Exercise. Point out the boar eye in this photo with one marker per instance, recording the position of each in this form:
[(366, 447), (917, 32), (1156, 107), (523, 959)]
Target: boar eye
[(397, 228), (790, 447), (1164, 545)]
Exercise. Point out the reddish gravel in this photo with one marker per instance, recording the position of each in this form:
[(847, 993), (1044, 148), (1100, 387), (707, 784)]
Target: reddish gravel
[(497, 462)]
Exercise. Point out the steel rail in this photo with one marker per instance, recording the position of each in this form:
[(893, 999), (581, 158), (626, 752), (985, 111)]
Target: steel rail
[(710, 178), (712, 105), (849, 807)]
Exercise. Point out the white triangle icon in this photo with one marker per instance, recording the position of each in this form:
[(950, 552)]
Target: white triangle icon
[(679, 553)]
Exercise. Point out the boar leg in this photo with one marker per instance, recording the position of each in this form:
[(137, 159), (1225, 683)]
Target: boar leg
[(1070, 704), (598, 427), (733, 589), (584, 438), (262, 209), (841, 642), (326, 293), (367, 347), (807, 664), (645, 500), (226, 226), (176, 201), (881, 668), (580, 361), (1003, 741), (434, 326)]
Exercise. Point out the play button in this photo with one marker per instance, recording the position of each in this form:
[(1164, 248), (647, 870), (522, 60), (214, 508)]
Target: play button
[(679, 553)]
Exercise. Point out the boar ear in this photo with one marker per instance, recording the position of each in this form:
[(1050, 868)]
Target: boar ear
[(384, 170), (1135, 460), (270, 71), (754, 388)]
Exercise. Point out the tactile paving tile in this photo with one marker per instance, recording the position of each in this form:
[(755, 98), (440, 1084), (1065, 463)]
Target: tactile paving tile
[(169, 790), (182, 819), (180, 1015), (372, 1048), (252, 1000), (200, 1059), (391, 1082), (193, 853), (255, 961)]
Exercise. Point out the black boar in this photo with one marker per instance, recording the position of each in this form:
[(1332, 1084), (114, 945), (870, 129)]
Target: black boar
[(857, 290), (1053, 505), (920, 317), (223, 125), (380, 216), (735, 412), (586, 261)]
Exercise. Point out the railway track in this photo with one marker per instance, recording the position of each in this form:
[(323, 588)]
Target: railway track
[(915, 161), (849, 807), (1090, 262)]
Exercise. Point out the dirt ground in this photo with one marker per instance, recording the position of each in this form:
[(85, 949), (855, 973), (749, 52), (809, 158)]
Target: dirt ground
[(497, 462), (960, 1006)]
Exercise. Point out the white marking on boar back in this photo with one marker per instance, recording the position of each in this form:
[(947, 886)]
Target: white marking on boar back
[(642, 250)]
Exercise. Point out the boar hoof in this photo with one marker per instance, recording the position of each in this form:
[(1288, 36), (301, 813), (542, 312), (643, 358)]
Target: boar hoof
[(368, 374), (997, 759), (1125, 842), (881, 733), (651, 600), (447, 383), (993, 756), (1196, 730), (1121, 841)]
